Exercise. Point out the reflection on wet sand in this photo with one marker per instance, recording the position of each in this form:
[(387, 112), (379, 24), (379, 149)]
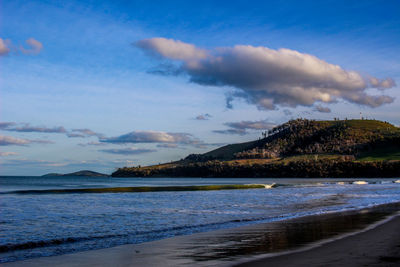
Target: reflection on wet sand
[(280, 236)]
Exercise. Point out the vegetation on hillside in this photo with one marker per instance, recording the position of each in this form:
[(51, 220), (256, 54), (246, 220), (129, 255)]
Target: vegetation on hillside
[(298, 148)]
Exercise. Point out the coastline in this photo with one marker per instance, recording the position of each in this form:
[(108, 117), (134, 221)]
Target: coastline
[(250, 245)]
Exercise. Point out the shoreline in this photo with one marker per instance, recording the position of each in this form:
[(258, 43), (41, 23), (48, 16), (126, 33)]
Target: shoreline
[(246, 245)]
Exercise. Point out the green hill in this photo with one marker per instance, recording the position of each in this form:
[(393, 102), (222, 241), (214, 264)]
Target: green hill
[(313, 144), (298, 137)]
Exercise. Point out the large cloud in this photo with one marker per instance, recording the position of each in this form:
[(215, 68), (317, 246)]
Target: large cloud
[(268, 77)]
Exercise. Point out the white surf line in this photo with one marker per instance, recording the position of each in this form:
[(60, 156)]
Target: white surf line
[(360, 182)]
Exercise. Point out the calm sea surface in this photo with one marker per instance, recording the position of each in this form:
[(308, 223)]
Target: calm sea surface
[(35, 225)]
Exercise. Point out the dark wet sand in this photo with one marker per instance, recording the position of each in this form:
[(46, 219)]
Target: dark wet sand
[(377, 247), (336, 239)]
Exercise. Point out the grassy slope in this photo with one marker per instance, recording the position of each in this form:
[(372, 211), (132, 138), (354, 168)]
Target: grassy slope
[(227, 152), (383, 153)]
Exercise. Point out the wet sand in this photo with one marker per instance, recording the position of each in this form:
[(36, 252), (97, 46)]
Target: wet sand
[(376, 247), (355, 238)]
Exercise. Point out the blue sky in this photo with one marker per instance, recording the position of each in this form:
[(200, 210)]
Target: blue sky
[(86, 84)]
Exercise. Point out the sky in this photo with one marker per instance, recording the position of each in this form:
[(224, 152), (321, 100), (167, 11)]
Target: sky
[(105, 84)]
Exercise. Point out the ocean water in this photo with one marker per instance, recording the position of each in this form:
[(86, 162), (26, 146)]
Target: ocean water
[(35, 225)]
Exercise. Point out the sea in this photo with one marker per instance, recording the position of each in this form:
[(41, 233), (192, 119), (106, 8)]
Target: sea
[(35, 224)]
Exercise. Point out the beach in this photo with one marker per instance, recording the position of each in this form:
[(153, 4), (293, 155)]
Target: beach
[(369, 237), (379, 246)]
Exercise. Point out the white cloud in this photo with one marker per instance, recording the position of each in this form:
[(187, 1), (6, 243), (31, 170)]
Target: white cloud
[(267, 77)]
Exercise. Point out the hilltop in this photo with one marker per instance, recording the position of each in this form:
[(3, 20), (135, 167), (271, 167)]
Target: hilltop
[(297, 148)]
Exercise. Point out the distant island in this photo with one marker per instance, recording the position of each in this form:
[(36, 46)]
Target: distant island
[(297, 148), (79, 173)]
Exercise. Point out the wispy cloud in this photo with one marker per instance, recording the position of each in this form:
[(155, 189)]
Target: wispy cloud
[(9, 140), (241, 127), (167, 145), (267, 77), (322, 109), (231, 131), (84, 133), (5, 125), (33, 162), (255, 125), (287, 112), (128, 151), (4, 49), (34, 47), (27, 128), (92, 143), (6, 154), (203, 117)]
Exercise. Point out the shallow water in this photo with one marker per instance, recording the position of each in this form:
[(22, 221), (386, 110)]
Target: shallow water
[(35, 225)]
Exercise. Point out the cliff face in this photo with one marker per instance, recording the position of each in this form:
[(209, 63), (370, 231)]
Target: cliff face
[(298, 148)]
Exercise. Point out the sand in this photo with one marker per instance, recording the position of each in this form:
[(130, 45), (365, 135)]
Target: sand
[(370, 237), (377, 247)]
